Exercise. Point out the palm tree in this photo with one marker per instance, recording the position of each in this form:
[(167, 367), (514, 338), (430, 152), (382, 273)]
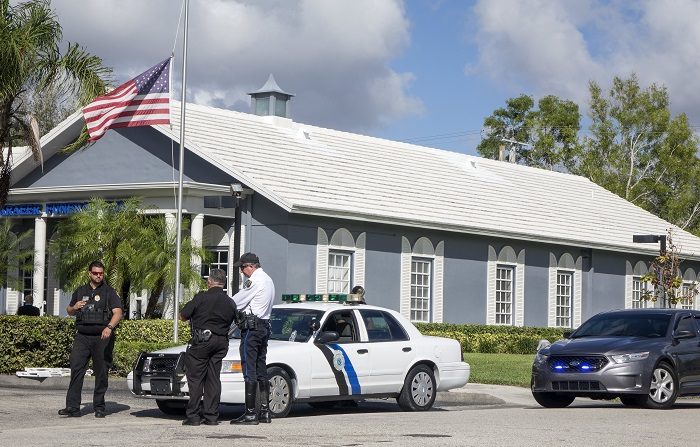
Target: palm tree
[(160, 261), (137, 250), (12, 253), (31, 62)]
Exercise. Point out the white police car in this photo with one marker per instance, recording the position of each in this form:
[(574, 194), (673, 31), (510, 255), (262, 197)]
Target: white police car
[(323, 349)]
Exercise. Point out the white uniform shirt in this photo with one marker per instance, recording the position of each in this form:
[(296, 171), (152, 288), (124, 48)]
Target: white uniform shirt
[(259, 291)]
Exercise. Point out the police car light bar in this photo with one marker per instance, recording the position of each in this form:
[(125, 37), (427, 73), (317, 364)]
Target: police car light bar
[(351, 298)]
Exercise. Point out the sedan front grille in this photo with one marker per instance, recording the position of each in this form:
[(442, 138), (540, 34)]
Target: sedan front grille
[(163, 364), (577, 364), (577, 385)]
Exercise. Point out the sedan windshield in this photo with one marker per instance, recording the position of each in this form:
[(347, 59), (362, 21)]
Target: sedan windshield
[(616, 325), (293, 324)]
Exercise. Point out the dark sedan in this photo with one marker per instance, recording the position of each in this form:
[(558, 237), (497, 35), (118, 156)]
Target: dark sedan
[(646, 357)]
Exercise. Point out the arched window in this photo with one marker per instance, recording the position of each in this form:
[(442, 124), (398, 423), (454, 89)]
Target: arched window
[(340, 261), (564, 298), (505, 293), (635, 288), (422, 267), (689, 290)]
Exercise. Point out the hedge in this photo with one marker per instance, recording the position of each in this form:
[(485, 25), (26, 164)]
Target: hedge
[(493, 339), (47, 341)]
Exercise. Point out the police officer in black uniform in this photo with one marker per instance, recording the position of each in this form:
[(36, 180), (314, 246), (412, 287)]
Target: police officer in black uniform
[(210, 314), (28, 308), (97, 309), (255, 302)]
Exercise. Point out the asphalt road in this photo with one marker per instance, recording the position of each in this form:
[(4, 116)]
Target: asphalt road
[(484, 416)]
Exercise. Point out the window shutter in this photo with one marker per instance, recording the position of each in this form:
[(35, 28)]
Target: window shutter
[(359, 273), (405, 298), (438, 282), (321, 261), (628, 284), (491, 287), (578, 293), (552, 294)]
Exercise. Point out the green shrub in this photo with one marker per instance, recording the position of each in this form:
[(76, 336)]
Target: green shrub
[(126, 352), (47, 341), (493, 339)]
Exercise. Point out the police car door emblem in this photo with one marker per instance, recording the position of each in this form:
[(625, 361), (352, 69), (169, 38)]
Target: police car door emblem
[(338, 360), (97, 297)]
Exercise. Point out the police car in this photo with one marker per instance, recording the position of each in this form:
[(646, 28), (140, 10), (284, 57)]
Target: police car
[(323, 350)]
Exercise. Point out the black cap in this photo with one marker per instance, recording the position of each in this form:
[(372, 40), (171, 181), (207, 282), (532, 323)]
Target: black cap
[(247, 258)]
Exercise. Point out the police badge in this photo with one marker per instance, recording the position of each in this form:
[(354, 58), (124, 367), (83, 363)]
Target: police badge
[(97, 298), (338, 360)]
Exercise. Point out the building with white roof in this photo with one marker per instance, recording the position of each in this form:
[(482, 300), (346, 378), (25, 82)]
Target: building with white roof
[(437, 235)]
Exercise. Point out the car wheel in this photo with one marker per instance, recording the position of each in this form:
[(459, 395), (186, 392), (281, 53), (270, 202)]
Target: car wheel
[(550, 400), (553, 400), (172, 406), (663, 389), (419, 390), (325, 405), (631, 401), (281, 395)]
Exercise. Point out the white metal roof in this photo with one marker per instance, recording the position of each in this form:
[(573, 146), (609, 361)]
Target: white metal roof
[(313, 170)]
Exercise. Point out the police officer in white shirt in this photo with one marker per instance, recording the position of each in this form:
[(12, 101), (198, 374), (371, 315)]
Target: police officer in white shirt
[(255, 300)]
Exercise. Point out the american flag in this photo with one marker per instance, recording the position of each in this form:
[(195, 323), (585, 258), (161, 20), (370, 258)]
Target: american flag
[(143, 101)]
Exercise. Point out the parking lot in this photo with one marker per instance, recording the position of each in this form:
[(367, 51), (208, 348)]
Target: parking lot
[(482, 416)]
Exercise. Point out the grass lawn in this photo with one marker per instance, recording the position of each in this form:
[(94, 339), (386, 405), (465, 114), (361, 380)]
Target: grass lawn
[(500, 369)]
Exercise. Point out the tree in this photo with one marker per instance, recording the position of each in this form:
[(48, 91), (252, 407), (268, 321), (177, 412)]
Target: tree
[(136, 248), (639, 152), (160, 259), (549, 133), (31, 61), (665, 275), (13, 254)]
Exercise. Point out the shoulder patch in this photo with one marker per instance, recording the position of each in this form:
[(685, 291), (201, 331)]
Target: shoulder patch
[(247, 284)]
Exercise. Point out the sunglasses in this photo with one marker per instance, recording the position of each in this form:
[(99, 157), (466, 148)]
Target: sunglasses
[(97, 273), (246, 265)]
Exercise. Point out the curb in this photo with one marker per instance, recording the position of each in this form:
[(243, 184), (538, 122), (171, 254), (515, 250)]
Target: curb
[(43, 383), (454, 397)]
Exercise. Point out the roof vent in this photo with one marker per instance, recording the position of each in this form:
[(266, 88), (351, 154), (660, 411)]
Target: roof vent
[(270, 100)]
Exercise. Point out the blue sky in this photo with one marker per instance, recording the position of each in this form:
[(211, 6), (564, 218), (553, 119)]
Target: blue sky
[(424, 71)]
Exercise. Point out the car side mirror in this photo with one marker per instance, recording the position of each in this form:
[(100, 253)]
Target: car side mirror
[(327, 337), (567, 334), (683, 334)]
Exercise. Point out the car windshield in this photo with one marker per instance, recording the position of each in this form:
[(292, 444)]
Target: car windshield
[(293, 324), (632, 325)]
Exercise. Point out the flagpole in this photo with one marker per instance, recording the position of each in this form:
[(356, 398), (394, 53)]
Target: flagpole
[(178, 236)]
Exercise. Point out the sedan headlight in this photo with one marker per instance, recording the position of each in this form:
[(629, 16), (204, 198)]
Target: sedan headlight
[(540, 358), (626, 358), (231, 366)]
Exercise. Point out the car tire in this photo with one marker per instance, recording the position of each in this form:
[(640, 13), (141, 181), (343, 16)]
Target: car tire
[(553, 400), (631, 400), (281, 392), (325, 405), (663, 389), (419, 389), (172, 406)]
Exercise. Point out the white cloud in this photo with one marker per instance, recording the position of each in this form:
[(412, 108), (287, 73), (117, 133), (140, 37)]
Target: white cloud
[(554, 47), (331, 55)]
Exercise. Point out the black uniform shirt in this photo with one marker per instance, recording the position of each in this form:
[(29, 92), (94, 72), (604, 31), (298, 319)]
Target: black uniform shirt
[(103, 296), (212, 310), (29, 310)]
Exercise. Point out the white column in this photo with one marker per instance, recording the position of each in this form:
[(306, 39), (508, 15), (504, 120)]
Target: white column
[(196, 236), (39, 261), (168, 297)]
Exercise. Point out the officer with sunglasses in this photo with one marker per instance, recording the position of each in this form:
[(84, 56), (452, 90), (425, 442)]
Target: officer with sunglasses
[(254, 300), (97, 309)]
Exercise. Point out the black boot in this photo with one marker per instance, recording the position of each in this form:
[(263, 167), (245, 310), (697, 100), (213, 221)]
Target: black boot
[(264, 414), (250, 417)]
